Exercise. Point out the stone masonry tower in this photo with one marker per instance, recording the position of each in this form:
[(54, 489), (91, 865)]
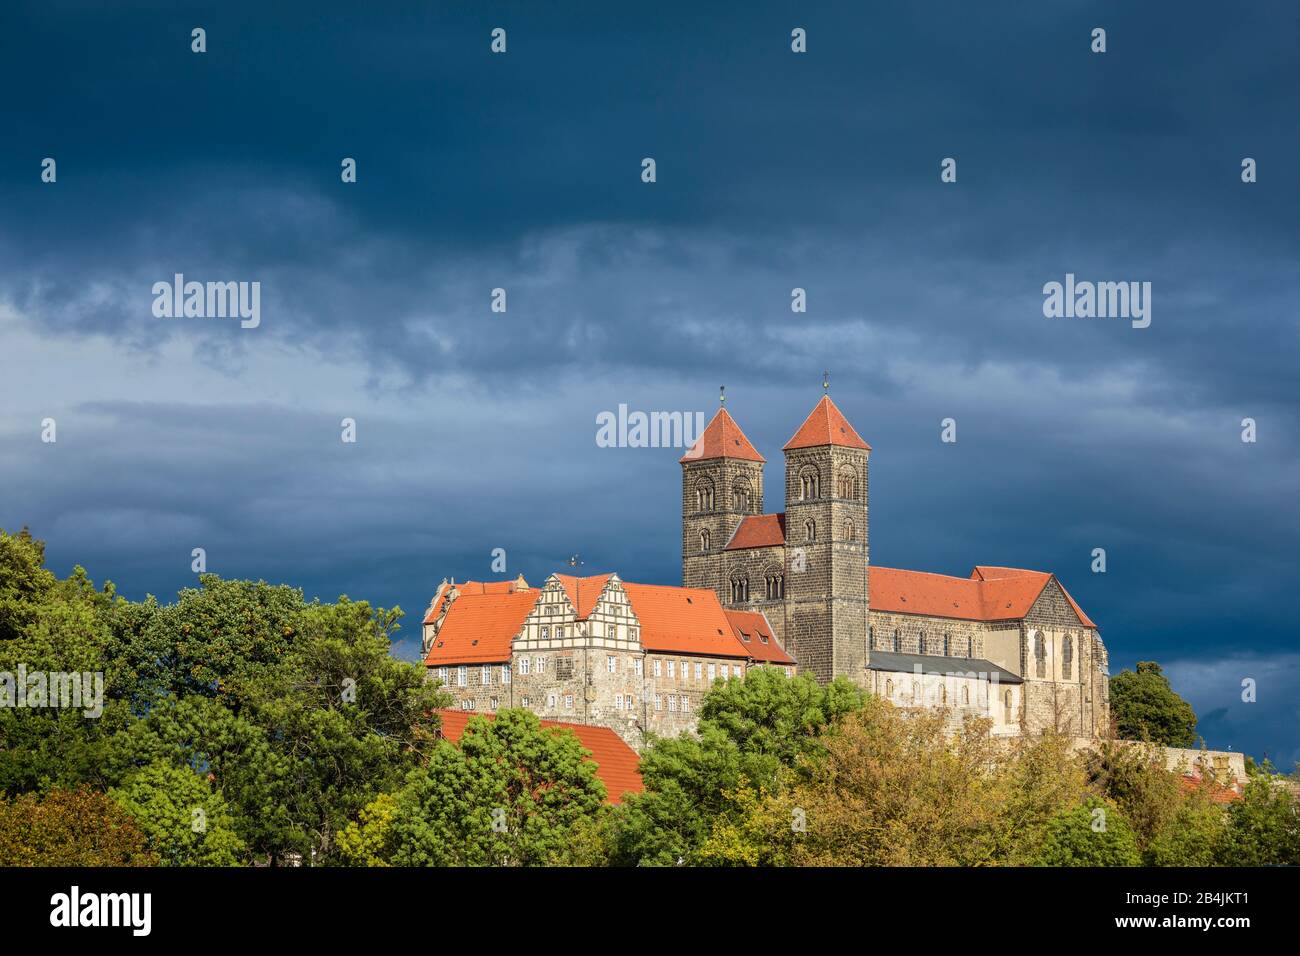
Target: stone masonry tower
[(722, 482), (826, 546)]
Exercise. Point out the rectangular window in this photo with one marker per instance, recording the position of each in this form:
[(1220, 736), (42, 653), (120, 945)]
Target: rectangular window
[(550, 701), (505, 673), (686, 703), (671, 665), (559, 632), (462, 677), (541, 665), (735, 670), (659, 702), (657, 663), (524, 701), (686, 670), (713, 671), (638, 666), (630, 701), (524, 664), (611, 664), (568, 702), (486, 674), (672, 703), (496, 702), (618, 701), (442, 676), (699, 670), (466, 704)]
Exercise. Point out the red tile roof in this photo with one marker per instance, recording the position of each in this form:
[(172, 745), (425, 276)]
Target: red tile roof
[(722, 438), (1216, 793), (758, 531), (826, 425), (682, 620), (986, 572), (997, 594), (583, 592), (755, 635), (468, 587), (479, 627), (617, 764)]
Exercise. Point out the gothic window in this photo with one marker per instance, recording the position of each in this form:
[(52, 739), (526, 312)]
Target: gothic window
[(1040, 655), (704, 495), (810, 530), (920, 643), (889, 689), (741, 494), (1006, 707), (947, 645), (897, 645), (1067, 658), (808, 485), (705, 539), (739, 589), (846, 484)]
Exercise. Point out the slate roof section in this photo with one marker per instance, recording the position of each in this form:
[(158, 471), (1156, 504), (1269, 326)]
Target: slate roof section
[(939, 666)]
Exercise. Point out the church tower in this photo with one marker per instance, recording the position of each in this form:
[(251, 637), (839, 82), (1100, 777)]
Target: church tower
[(722, 482), (826, 600)]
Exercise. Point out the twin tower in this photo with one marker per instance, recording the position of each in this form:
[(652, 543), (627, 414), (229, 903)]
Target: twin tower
[(804, 568)]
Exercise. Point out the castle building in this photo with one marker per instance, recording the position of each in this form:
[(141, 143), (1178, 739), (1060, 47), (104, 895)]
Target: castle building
[(793, 589)]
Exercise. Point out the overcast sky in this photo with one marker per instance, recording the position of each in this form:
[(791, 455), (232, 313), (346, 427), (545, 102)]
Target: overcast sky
[(476, 430)]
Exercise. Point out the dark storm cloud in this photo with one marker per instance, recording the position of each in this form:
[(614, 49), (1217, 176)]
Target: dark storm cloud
[(775, 171)]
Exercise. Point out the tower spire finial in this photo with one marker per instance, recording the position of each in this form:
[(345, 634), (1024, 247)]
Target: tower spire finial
[(826, 382), (722, 396)]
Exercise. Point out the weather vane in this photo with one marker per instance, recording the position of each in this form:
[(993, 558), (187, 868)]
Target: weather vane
[(722, 395), (826, 382), (575, 561)]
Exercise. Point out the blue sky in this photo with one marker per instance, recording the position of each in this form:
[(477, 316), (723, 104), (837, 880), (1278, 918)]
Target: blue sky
[(476, 430)]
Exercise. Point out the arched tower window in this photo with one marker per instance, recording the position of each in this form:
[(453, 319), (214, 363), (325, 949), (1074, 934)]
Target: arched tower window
[(704, 495), (1067, 657), (808, 484), (889, 689), (850, 531), (705, 539), (810, 530), (739, 589), (1040, 655), (741, 495), (846, 484), (774, 585), (920, 643)]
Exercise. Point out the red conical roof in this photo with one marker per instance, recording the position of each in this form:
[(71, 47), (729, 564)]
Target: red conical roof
[(722, 438), (826, 425)]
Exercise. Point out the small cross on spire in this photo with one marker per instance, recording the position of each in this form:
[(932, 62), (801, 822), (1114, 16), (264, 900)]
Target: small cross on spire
[(826, 382), (722, 396)]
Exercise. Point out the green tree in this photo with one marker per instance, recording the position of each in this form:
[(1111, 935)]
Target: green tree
[(1145, 707), (1193, 835), (511, 794), (1263, 827), (185, 821), (751, 736), (69, 828), (1134, 778), (1091, 834)]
